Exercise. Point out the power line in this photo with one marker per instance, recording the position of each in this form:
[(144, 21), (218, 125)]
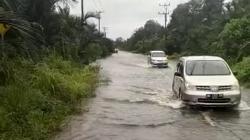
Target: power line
[(165, 13)]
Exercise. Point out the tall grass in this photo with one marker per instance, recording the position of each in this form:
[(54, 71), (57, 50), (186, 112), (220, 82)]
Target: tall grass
[(36, 98)]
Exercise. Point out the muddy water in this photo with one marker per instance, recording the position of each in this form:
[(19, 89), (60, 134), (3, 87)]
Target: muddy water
[(135, 102)]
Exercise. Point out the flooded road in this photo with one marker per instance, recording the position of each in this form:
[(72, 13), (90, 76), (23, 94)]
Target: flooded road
[(135, 102)]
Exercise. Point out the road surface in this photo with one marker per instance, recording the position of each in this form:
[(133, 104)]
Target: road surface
[(135, 102)]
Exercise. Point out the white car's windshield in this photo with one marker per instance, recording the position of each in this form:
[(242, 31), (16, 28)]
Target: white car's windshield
[(202, 67), (158, 54)]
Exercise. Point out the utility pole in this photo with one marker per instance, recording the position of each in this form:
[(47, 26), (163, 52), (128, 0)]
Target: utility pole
[(99, 19), (105, 31), (165, 13), (82, 10)]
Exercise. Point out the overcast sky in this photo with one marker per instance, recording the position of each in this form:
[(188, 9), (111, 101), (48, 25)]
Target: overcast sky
[(123, 17)]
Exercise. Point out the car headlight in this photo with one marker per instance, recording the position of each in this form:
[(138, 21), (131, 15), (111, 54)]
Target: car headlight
[(190, 86), (235, 87)]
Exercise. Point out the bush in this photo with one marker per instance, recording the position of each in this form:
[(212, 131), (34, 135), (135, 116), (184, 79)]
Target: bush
[(174, 56), (28, 114), (39, 97), (243, 69)]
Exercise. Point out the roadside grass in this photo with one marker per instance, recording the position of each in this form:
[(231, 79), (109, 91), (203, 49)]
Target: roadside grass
[(36, 98)]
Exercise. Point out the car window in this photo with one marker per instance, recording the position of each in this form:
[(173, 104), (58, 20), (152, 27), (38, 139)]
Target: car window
[(204, 67), (180, 68), (158, 54)]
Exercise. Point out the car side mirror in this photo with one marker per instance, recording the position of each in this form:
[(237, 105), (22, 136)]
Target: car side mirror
[(178, 65), (178, 74)]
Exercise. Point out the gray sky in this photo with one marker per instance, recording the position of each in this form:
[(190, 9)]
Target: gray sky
[(123, 17)]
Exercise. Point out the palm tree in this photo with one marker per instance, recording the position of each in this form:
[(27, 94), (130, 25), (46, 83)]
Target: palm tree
[(88, 14), (13, 18), (30, 30)]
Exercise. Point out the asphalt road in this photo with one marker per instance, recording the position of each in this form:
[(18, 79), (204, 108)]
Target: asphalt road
[(135, 102)]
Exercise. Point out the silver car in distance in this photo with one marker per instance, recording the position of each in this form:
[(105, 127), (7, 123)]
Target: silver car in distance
[(158, 59), (206, 81)]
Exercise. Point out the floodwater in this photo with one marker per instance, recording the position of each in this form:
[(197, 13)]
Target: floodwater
[(135, 102)]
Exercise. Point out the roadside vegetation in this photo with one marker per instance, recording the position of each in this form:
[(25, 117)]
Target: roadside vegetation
[(44, 65), (201, 27)]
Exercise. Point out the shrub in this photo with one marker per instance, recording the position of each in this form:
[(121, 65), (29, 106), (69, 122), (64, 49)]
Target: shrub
[(174, 56), (38, 97), (243, 69)]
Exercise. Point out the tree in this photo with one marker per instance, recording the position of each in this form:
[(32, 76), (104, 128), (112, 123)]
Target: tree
[(50, 27), (195, 25), (143, 39), (235, 38)]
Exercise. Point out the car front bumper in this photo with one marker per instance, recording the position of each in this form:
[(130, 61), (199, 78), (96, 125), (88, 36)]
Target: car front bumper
[(159, 63), (199, 98)]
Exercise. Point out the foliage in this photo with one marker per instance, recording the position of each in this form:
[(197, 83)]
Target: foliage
[(235, 38), (200, 27), (42, 26), (37, 99), (243, 70), (44, 71), (195, 26), (145, 38)]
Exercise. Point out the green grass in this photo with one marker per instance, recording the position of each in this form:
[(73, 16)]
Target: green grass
[(36, 98)]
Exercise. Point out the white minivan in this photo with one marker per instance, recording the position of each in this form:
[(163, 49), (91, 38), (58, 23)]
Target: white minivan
[(158, 58), (206, 81)]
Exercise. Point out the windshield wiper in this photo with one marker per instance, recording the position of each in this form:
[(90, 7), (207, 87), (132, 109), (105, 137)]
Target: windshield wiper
[(192, 71)]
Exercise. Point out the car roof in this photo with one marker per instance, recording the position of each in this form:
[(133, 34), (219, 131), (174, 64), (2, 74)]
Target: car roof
[(187, 58), (157, 52)]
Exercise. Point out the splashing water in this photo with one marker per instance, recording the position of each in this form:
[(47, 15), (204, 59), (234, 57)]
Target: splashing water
[(166, 102), (243, 106), (173, 104)]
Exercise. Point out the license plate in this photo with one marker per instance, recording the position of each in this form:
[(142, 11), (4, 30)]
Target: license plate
[(214, 96)]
